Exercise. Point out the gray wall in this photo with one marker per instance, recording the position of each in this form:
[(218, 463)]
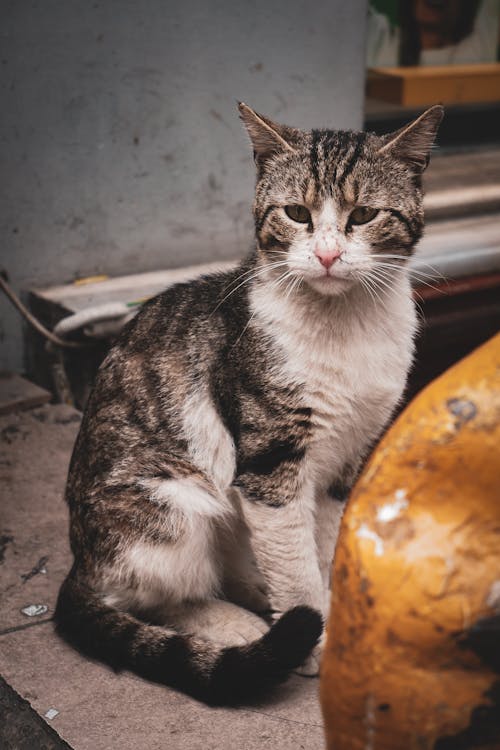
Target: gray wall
[(120, 146)]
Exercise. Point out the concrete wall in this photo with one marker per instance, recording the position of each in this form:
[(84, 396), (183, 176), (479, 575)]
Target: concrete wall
[(120, 146)]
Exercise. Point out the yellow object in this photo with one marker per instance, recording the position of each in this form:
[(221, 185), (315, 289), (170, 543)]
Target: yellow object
[(416, 567), (91, 279)]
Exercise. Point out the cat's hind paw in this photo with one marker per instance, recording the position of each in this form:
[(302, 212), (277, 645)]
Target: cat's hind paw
[(241, 631)]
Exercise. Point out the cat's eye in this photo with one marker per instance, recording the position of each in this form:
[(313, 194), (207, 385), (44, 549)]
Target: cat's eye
[(362, 215), (298, 213)]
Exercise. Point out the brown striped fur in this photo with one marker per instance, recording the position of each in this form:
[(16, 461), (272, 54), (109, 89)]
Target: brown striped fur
[(231, 416)]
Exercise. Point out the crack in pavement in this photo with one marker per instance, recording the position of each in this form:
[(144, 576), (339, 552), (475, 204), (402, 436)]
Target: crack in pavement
[(16, 628)]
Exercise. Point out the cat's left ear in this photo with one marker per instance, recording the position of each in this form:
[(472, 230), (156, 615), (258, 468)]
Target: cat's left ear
[(412, 144), (267, 137)]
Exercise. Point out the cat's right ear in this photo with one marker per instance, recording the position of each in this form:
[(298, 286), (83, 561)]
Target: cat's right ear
[(267, 137)]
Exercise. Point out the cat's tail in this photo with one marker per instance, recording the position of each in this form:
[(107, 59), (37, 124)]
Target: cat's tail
[(216, 676)]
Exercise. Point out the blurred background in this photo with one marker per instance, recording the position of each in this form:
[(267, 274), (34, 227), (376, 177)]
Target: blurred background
[(122, 157)]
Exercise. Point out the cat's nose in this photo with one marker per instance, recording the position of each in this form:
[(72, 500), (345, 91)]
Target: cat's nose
[(327, 257)]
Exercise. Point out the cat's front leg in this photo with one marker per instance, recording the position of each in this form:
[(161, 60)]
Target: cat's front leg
[(330, 506), (284, 545), (329, 511)]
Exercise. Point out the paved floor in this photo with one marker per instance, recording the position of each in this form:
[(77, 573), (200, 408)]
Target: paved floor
[(96, 708)]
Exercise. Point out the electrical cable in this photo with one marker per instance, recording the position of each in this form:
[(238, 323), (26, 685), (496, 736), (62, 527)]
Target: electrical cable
[(9, 292)]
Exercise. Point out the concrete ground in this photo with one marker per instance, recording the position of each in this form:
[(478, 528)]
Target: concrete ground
[(87, 704)]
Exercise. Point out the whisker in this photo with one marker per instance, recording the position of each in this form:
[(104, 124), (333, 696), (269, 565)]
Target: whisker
[(412, 269), (386, 281), (257, 269), (417, 303), (252, 316), (290, 287), (364, 283), (288, 274), (421, 282), (420, 276), (252, 274), (296, 284), (281, 280), (377, 291)]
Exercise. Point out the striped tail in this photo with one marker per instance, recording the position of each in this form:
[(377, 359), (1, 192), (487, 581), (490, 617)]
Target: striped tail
[(227, 676)]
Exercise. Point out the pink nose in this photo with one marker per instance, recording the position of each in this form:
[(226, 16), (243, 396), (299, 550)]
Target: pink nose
[(327, 257)]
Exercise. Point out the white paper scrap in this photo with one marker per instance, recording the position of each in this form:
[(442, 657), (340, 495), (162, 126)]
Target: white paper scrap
[(35, 609)]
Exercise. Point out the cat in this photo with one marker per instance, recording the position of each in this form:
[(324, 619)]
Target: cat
[(229, 421)]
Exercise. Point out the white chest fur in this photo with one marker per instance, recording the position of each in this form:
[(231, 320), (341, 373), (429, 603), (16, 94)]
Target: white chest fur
[(350, 357)]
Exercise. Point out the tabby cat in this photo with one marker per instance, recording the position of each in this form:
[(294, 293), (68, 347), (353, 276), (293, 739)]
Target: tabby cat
[(230, 418)]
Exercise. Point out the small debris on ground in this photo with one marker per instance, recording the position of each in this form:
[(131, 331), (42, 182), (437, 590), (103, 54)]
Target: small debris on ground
[(33, 610), (38, 568), (51, 713)]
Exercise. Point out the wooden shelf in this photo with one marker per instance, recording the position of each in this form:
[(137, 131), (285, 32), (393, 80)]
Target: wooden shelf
[(447, 84)]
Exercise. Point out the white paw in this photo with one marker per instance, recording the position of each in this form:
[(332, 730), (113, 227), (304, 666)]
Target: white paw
[(310, 668)]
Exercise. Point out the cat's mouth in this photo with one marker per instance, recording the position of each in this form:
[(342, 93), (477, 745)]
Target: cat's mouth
[(327, 277), (329, 282), (330, 276)]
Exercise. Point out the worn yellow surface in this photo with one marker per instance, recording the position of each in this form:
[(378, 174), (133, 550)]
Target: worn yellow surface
[(418, 561)]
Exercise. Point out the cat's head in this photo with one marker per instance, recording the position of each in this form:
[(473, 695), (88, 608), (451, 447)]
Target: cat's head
[(337, 208)]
